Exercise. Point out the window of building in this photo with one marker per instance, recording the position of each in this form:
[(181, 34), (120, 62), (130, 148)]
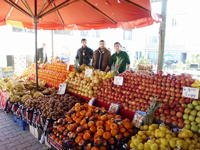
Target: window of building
[(85, 33), (127, 35), (66, 32), (179, 20), (25, 30), (138, 55), (153, 40), (95, 33)]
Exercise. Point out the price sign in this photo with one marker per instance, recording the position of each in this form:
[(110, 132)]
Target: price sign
[(88, 72), (62, 88), (118, 80), (91, 102), (114, 108), (190, 92)]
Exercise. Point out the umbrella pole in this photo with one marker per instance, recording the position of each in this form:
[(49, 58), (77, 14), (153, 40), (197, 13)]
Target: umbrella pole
[(36, 55), (162, 36)]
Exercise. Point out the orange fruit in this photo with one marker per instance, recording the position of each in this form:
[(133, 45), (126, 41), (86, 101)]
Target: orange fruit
[(113, 126), (88, 114), (102, 148), (77, 109), (83, 122), (126, 134), (86, 105), (61, 142), (78, 120), (122, 130), (77, 105), (86, 136), (96, 136), (110, 122), (70, 127), (107, 135), (104, 117), (93, 129), (113, 132), (127, 125), (126, 121), (99, 123), (118, 117), (100, 127), (80, 134), (78, 139), (83, 113), (87, 131), (107, 128), (95, 148), (110, 116), (85, 126), (91, 123), (100, 132), (130, 131)]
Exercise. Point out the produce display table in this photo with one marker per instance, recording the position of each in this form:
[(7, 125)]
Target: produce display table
[(3, 99)]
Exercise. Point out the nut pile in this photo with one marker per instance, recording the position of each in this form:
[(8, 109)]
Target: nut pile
[(54, 106)]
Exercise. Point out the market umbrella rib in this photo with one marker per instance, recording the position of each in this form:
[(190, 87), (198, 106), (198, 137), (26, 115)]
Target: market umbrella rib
[(10, 11), (128, 1), (113, 21), (25, 4)]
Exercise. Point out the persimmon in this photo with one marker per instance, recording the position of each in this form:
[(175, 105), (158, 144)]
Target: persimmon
[(54, 137), (118, 117), (110, 122), (107, 135), (78, 120), (91, 123), (100, 132), (120, 126), (95, 148), (80, 134), (86, 136), (66, 125), (126, 134), (75, 125), (87, 131), (100, 127), (108, 128), (122, 130), (82, 113), (126, 121), (77, 109), (85, 126), (96, 136), (70, 127), (78, 139), (57, 140), (104, 117), (127, 125), (60, 142), (102, 148), (110, 116), (77, 105), (114, 132), (93, 129), (78, 114), (83, 122), (113, 126), (86, 105), (99, 123), (88, 114), (130, 131)]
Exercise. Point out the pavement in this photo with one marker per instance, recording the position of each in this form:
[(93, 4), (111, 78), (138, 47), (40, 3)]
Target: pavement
[(12, 137)]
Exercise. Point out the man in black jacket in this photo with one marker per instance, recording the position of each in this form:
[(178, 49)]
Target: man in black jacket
[(84, 54)]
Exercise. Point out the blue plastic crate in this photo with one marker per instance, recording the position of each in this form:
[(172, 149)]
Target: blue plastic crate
[(22, 123)]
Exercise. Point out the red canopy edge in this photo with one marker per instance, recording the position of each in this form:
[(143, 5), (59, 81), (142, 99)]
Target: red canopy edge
[(122, 25)]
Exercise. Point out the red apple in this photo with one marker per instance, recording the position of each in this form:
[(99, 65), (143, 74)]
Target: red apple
[(179, 114), (168, 120), (175, 123)]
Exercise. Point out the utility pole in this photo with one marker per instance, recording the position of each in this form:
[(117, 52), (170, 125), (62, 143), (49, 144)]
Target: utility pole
[(162, 35)]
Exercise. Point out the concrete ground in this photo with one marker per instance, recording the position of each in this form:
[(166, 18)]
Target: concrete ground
[(12, 137)]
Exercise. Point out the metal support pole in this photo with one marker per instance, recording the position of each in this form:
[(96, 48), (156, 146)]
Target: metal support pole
[(36, 55), (52, 43), (162, 36)]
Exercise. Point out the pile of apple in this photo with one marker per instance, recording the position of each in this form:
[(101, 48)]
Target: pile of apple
[(138, 90)]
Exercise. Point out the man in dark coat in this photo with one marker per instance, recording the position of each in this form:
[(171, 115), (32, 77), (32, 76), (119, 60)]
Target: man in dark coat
[(84, 54), (42, 55)]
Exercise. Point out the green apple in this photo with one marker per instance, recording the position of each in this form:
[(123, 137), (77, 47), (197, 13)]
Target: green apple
[(197, 107), (198, 125), (198, 113), (199, 131), (195, 103), (193, 123), (187, 121), (191, 118), (190, 106), (187, 110), (197, 119), (187, 126), (193, 112), (185, 116), (194, 128)]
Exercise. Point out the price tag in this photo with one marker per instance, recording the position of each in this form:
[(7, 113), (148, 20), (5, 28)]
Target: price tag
[(118, 80), (114, 108), (88, 72), (190, 92), (62, 88)]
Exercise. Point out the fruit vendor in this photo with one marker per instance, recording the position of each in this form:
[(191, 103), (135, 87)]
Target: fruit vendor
[(41, 54), (101, 57), (120, 59), (84, 54)]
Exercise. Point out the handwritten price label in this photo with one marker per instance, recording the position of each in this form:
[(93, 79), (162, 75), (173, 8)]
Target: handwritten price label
[(88, 72), (62, 88), (118, 80), (190, 92)]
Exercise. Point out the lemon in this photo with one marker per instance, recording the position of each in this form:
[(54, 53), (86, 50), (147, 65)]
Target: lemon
[(162, 134), (162, 147), (179, 143), (185, 146), (146, 127), (168, 136), (140, 146), (153, 133), (150, 142), (192, 146), (157, 135), (157, 141), (164, 142), (168, 131), (190, 133), (154, 146), (140, 133), (198, 145), (146, 146), (195, 136), (194, 141), (151, 128), (144, 137), (148, 133), (142, 128), (185, 135), (132, 145), (173, 134), (188, 140), (136, 142)]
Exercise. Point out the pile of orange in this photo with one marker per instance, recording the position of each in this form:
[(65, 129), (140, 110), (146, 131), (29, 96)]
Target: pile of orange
[(90, 124)]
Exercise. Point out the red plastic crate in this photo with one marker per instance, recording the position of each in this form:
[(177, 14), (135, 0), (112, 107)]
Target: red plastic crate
[(54, 143)]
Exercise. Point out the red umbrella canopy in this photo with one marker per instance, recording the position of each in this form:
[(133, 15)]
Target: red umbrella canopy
[(79, 14)]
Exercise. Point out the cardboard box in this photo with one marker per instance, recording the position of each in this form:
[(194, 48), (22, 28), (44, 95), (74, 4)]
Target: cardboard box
[(35, 132)]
